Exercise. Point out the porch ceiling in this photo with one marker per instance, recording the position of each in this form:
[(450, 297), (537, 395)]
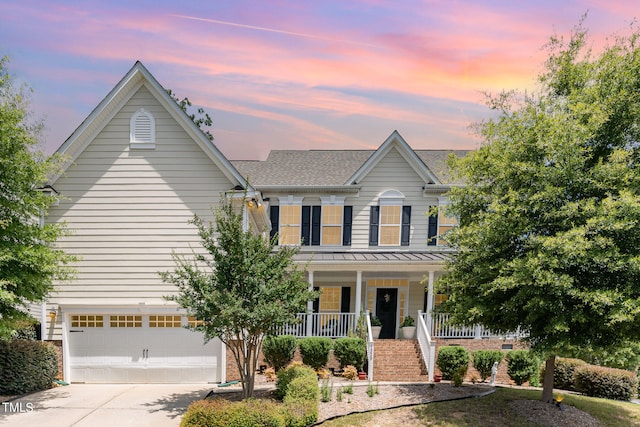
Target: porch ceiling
[(373, 261)]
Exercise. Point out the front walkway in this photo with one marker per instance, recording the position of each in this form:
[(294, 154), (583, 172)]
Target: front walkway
[(103, 405)]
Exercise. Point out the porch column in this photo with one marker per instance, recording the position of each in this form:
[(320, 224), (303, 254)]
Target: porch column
[(359, 292), (432, 275), (310, 307)]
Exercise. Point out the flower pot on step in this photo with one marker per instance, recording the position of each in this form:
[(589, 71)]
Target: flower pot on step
[(408, 332), (362, 375)]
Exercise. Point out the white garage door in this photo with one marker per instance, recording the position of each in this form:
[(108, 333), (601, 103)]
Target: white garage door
[(140, 349)]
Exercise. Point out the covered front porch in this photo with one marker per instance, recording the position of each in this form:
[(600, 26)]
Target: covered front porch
[(355, 288), (389, 286)]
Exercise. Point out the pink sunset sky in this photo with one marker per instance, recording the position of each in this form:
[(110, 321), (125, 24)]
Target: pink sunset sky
[(297, 74)]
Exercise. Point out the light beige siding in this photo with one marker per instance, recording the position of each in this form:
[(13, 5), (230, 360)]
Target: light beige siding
[(391, 173), (128, 209)]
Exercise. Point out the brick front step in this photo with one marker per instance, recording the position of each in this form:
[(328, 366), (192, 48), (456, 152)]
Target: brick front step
[(398, 360)]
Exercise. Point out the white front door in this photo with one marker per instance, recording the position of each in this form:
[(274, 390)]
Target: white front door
[(140, 349)]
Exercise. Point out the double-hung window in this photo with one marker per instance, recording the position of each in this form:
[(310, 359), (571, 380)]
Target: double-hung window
[(390, 221), (390, 225), (290, 224)]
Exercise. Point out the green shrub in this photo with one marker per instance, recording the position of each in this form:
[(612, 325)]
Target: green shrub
[(301, 396), (564, 373), (522, 365), (304, 387), (483, 361), (450, 358), (27, 366), (610, 383), (315, 351), (458, 375), (287, 375), (248, 413), (279, 351), (300, 413), (299, 387), (350, 351)]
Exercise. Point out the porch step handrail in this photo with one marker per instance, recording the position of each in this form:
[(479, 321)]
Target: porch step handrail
[(369, 348), (427, 345)]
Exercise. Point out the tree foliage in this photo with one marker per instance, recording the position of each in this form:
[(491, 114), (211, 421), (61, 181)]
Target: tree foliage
[(200, 117), (29, 260), (243, 288), (549, 236)]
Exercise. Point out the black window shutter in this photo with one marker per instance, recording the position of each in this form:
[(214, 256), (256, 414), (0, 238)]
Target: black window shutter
[(345, 301), (406, 226), (374, 220), (274, 213), (316, 302), (433, 229), (346, 225), (306, 225), (315, 225)]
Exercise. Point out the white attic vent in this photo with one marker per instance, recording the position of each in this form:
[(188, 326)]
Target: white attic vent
[(142, 130)]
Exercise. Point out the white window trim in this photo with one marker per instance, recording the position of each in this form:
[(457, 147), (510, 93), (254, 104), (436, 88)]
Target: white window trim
[(142, 145), (390, 198), (289, 200), (332, 200)]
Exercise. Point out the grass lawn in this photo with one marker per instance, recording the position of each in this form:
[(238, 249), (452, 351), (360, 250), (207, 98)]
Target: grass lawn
[(494, 410)]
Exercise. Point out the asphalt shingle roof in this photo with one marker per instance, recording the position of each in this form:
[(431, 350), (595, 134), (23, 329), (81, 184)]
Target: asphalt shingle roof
[(326, 167)]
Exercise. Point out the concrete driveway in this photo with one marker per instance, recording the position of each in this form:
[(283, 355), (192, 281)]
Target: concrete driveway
[(98, 405)]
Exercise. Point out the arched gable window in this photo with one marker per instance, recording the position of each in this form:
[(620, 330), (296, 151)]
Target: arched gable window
[(142, 130)]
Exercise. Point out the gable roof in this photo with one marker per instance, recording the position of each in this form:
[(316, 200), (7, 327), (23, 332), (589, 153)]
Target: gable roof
[(394, 141), (337, 168), (135, 78)]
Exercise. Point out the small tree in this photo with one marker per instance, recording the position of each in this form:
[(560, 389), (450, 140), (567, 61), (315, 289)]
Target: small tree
[(243, 289)]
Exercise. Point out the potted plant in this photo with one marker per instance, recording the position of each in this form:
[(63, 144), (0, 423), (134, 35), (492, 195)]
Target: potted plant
[(408, 328), (376, 326)]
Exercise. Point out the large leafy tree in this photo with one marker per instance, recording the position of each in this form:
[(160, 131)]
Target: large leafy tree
[(549, 236), (242, 288), (200, 117), (29, 260)]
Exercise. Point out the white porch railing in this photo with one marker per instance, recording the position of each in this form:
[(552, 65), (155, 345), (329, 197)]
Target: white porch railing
[(369, 348), (427, 346), (441, 328), (330, 325)]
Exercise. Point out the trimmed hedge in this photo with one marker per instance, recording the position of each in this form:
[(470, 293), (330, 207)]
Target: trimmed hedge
[(609, 383), (350, 351), (27, 366), (522, 366), (483, 361), (223, 413), (299, 408), (279, 351), (564, 373), (315, 351), (450, 359)]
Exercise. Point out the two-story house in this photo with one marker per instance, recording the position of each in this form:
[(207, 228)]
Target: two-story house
[(138, 169)]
